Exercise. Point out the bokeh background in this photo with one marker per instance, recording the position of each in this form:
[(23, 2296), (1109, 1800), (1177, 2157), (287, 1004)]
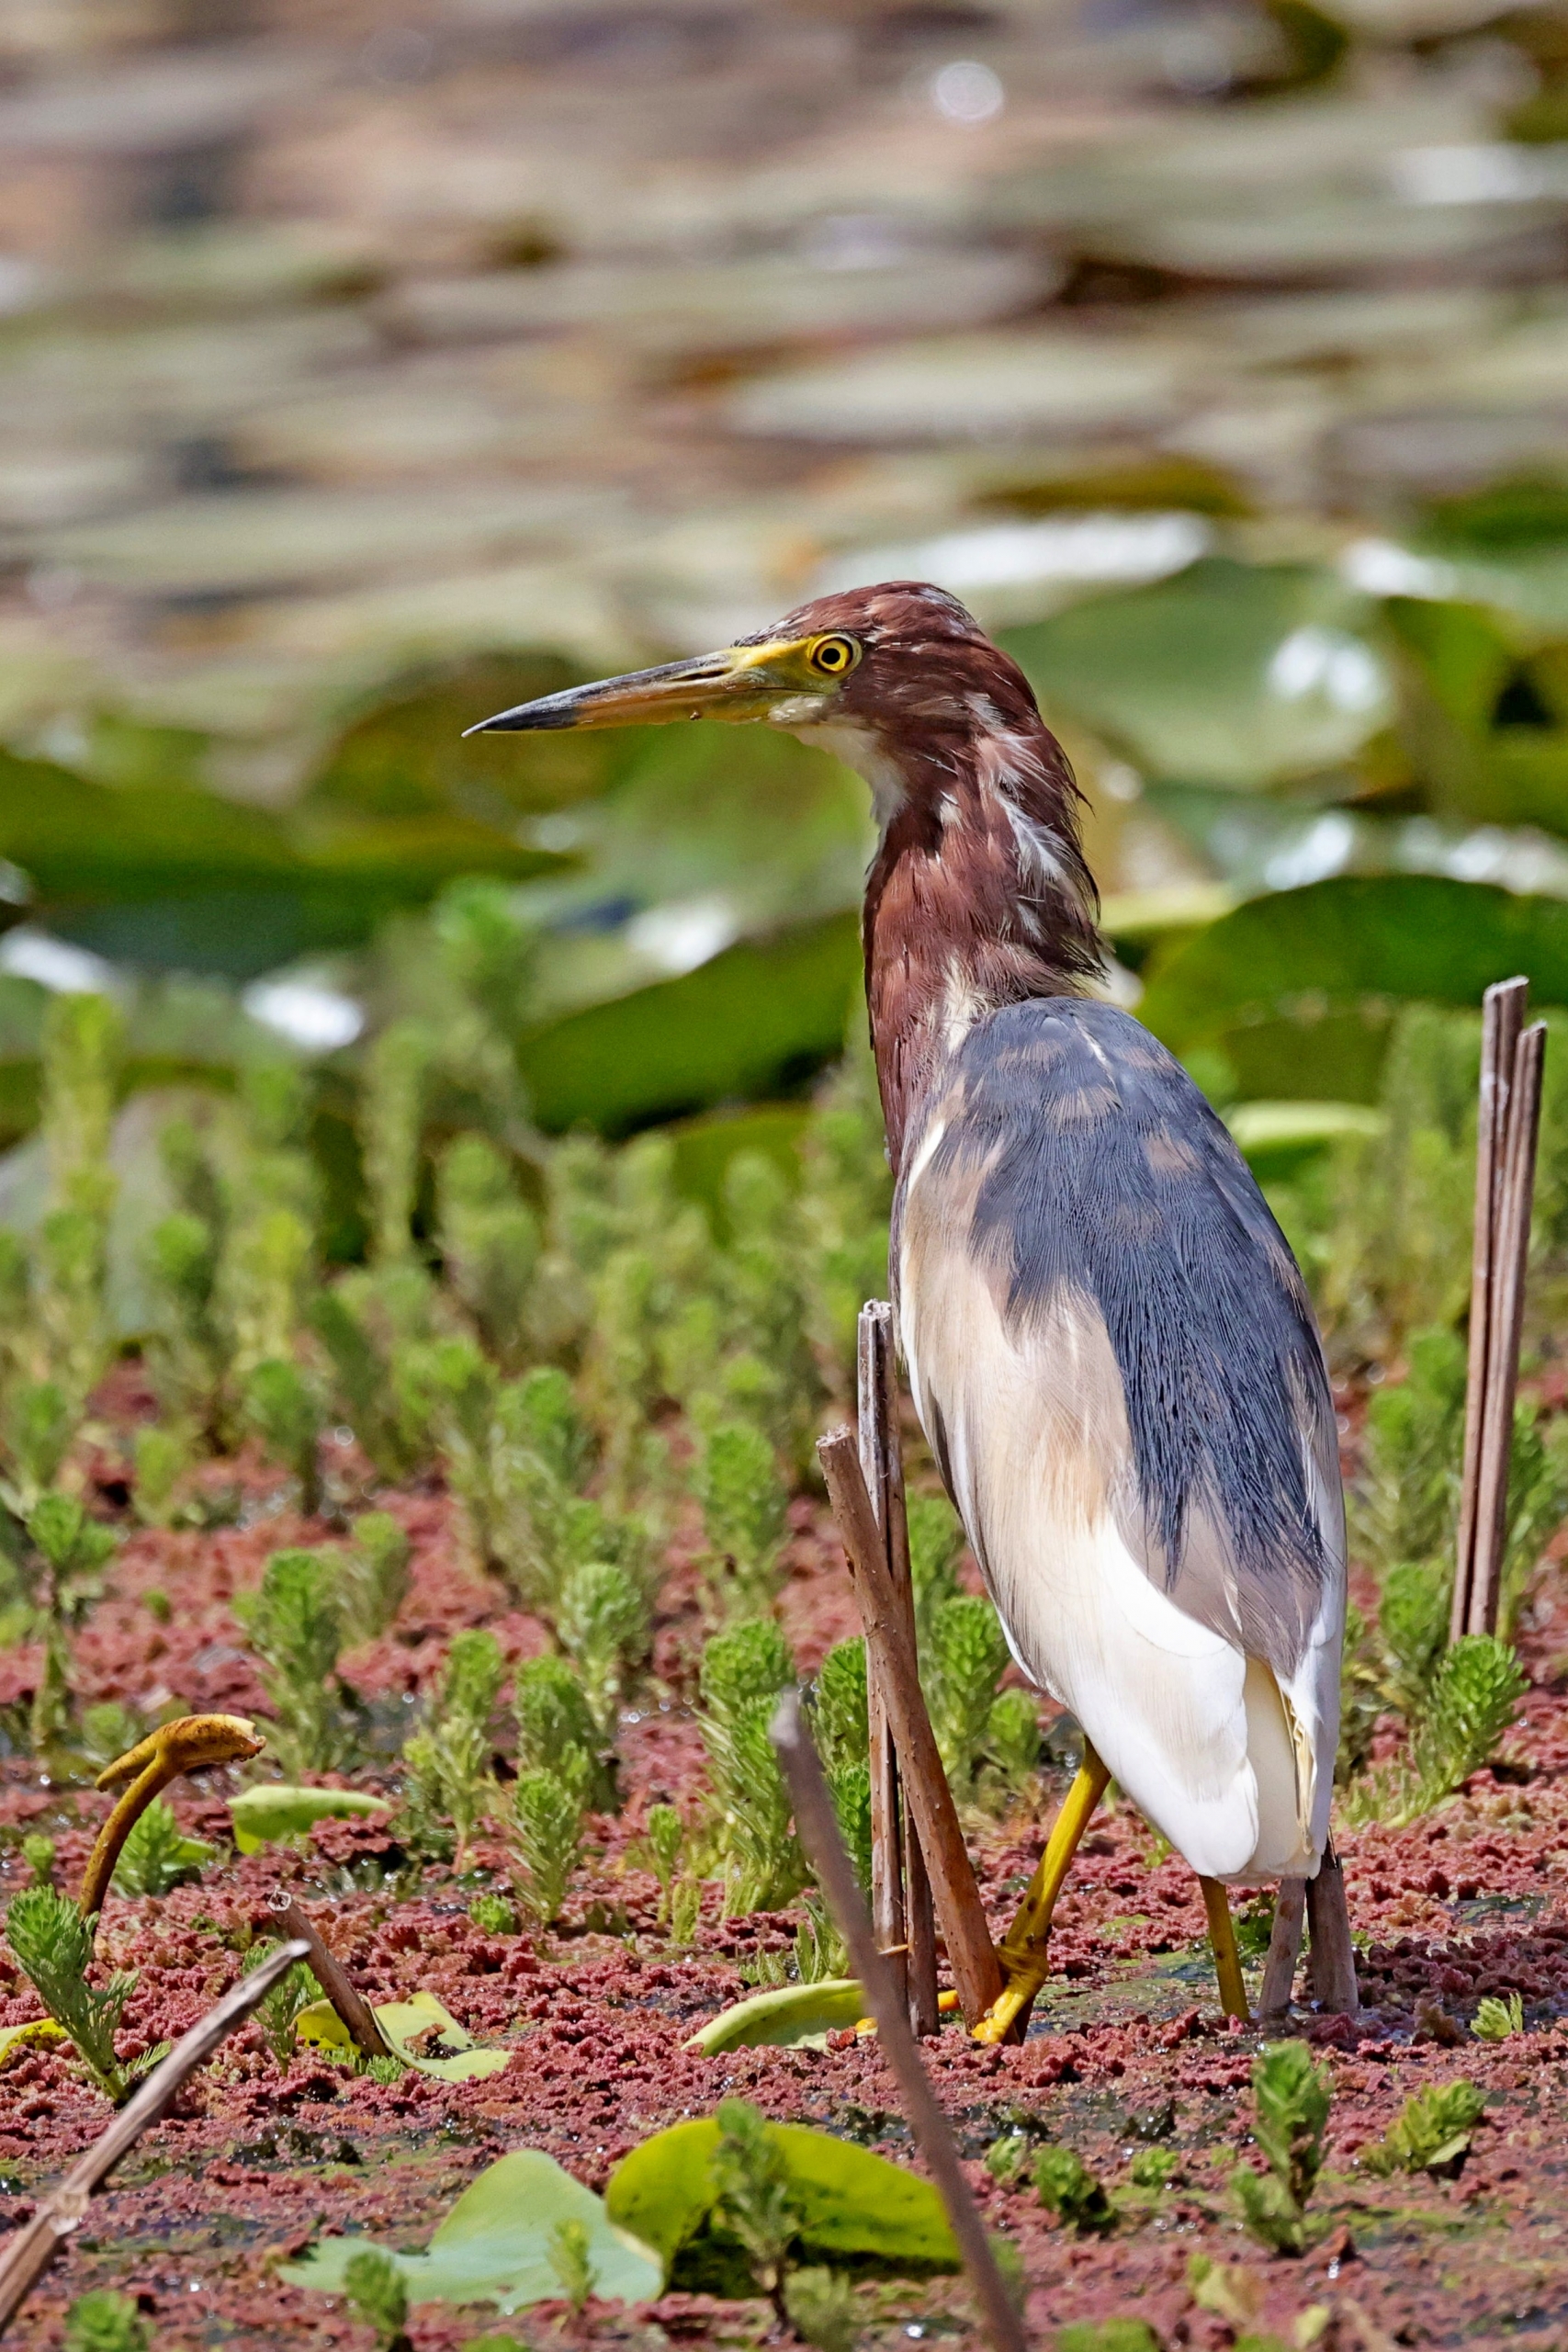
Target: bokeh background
[(363, 371)]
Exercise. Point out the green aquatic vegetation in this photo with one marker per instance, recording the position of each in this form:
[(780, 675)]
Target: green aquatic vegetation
[(1292, 2098), (745, 1510), (846, 1199), (493, 1915), (1154, 2169), (754, 2202), (1432, 2131), (1107, 2336), (295, 1991), (1405, 1504), (936, 1544), (38, 1852), (570, 2256), (68, 1553), (295, 1625), (376, 2293), (556, 1731), (54, 1947), (604, 1627), (1494, 2020), (447, 1758), (820, 2306), (391, 1118), (161, 1453), (743, 1671), (964, 1657), (1471, 1702), (156, 1855), (541, 1452), (762, 1289), (1395, 1257), (1007, 2157), (185, 1345), (39, 1428), (545, 1834), (1067, 2189), (83, 1044), (282, 1406), (373, 1576), (105, 2322), (664, 1834), (489, 1242), (351, 1324)]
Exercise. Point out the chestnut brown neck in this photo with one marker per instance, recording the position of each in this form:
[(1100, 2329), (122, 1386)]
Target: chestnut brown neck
[(978, 897)]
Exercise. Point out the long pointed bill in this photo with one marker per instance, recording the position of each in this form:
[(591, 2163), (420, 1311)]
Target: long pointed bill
[(745, 681)]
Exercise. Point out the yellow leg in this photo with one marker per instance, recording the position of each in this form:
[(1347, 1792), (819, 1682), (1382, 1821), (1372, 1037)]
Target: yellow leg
[(1026, 1954), (1227, 1959)]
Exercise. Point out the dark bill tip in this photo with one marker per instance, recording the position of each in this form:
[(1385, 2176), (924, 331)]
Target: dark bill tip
[(550, 710)]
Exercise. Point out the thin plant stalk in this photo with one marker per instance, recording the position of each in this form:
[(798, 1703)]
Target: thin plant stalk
[(34, 2247), (818, 1829)]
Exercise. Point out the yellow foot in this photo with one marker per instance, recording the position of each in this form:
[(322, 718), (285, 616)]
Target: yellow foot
[(1026, 1955), (1228, 1959)]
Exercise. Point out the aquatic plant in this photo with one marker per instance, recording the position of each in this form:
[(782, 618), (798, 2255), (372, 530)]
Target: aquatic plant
[(102, 2321), (754, 2202), (1068, 2189), (545, 1836), (295, 1990), (376, 2293), (745, 1511), (743, 1671), (295, 1623), (1496, 2020), (556, 1731), (373, 1576), (156, 1854), (447, 1758), (54, 1947), (1432, 2131)]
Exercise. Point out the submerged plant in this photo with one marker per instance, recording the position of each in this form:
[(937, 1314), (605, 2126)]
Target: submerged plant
[(936, 1542), (490, 1240), (1471, 1702), (1292, 2097), (571, 2257), (820, 2306), (745, 1510), (283, 1408)]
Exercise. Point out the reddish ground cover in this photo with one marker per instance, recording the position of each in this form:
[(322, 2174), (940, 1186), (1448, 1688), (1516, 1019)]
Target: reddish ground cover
[(1126, 2048)]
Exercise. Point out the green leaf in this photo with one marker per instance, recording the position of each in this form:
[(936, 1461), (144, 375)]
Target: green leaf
[(779, 2020), (494, 2245), (1229, 674), (1304, 954), (736, 1025), (36, 2032), (425, 2035), (851, 2201), (271, 1812)]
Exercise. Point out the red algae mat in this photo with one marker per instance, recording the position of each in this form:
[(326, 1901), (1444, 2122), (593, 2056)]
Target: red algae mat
[(1127, 2047)]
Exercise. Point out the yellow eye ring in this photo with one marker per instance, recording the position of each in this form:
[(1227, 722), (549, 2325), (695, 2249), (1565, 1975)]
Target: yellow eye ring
[(834, 657)]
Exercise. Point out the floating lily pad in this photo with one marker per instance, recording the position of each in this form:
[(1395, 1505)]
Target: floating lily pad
[(793, 2014), (1304, 954), (494, 2245), (851, 2203), (272, 1811), (1228, 674)]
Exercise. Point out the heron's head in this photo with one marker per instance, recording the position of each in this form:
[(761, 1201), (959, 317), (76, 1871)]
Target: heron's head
[(884, 678)]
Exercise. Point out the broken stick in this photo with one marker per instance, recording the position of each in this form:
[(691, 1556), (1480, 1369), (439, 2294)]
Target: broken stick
[(35, 2245), (900, 1887), (1502, 1018), (1510, 1255), (333, 1977), (819, 1830), (977, 1972)]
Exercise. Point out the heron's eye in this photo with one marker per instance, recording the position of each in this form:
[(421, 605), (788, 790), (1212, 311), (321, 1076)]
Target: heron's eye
[(833, 657)]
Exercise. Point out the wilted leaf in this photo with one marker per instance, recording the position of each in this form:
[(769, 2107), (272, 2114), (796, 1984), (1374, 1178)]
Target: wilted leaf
[(425, 2036), (851, 2201), (494, 2245), (794, 2013), (271, 1812)]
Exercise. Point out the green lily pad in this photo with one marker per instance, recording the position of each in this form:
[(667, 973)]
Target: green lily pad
[(272, 1811), (1229, 674), (794, 2013), (1301, 956), (425, 2035), (494, 2245), (851, 2202)]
